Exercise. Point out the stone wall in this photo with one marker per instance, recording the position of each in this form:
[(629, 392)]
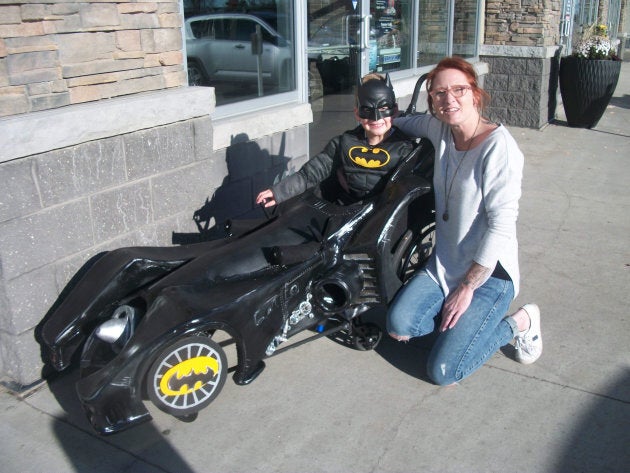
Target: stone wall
[(56, 53), (522, 88), (102, 147), (522, 22), (140, 187), (520, 47)]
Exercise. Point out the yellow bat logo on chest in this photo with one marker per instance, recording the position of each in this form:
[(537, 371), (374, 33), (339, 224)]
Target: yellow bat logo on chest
[(368, 157), (189, 375)]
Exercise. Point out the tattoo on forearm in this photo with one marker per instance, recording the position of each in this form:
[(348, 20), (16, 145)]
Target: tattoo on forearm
[(475, 276)]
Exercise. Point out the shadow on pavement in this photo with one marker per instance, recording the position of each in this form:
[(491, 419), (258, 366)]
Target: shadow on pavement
[(601, 435), (409, 357), (144, 442), (621, 102)]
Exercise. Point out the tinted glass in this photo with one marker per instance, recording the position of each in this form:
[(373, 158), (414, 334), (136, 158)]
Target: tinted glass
[(243, 49), (432, 32), (465, 28), (390, 40)]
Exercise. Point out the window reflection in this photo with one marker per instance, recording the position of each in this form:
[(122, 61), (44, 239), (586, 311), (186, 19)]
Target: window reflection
[(333, 30), (389, 35), (242, 48), (432, 32), (465, 28)]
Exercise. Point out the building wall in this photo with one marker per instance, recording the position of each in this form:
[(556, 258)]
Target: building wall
[(148, 184), (520, 47), (102, 146), (54, 54)]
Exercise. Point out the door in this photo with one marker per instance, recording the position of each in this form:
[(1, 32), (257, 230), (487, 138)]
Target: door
[(346, 40)]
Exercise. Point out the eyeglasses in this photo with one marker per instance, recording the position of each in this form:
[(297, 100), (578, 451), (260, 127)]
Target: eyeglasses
[(456, 91)]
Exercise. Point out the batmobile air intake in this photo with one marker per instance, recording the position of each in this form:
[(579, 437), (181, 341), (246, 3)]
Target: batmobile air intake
[(337, 291)]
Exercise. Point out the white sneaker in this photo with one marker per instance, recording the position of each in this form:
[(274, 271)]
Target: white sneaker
[(529, 343)]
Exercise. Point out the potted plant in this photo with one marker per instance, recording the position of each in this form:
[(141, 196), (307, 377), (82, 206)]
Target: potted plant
[(588, 77)]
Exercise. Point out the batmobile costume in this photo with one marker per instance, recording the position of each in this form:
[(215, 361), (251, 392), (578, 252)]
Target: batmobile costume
[(144, 317)]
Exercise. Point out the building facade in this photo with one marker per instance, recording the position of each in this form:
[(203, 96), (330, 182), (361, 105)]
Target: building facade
[(104, 142)]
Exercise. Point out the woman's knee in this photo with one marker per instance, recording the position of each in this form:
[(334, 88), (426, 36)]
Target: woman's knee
[(400, 338), (442, 373)]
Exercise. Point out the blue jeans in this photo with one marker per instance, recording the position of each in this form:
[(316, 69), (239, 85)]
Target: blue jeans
[(478, 334)]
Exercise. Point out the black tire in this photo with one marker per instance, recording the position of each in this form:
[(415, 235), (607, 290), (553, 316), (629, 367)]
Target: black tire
[(198, 358), (418, 252), (366, 336), (196, 75)]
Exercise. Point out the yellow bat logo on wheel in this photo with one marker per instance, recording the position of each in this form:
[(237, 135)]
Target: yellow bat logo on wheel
[(189, 375), (368, 157)]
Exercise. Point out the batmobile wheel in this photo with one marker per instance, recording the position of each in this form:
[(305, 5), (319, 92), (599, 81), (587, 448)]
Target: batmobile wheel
[(366, 336), (187, 376), (418, 253), (196, 75)]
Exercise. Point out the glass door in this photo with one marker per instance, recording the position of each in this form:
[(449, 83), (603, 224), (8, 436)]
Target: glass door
[(334, 66), (386, 36), (346, 40)]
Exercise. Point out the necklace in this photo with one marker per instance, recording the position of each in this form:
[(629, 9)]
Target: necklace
[(445, 215)]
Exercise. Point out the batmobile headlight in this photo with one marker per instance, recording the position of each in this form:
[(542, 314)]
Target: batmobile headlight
[(119, 328)]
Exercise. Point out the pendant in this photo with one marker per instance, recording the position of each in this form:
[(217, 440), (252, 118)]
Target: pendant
[(445, 216)]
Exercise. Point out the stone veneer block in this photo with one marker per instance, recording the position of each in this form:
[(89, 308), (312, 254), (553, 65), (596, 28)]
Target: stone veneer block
[(55, 129), (20, 192), (29, 297), (80, 170), (183, 189), (159, 149), (121, 210), (202, 132), (521, 83), (38, 239), (20, 358)]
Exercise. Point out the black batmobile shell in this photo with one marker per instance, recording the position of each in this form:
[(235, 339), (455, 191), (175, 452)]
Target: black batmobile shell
[(243, 285)]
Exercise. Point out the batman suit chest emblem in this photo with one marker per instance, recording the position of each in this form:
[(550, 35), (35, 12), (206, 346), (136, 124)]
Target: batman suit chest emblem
[(366, 157)]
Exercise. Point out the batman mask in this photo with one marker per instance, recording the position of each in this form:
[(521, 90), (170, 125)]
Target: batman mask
[(376, 99)]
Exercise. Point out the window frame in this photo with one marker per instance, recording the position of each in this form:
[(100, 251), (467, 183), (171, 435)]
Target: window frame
[(416, 70), (300, 93)]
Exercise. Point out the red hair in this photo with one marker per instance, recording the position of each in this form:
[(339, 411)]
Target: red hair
[(480, 96)]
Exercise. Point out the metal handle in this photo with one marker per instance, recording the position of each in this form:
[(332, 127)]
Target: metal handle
[(366, 31)]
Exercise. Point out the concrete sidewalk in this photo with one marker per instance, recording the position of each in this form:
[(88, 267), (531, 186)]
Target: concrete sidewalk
[(326, 408)]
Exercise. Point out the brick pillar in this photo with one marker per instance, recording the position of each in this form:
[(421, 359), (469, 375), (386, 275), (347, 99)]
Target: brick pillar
[(521, 47)]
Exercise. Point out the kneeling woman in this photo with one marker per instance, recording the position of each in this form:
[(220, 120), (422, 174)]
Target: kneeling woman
[(473, 274)]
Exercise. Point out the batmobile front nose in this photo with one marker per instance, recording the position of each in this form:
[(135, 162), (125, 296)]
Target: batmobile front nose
[(58, 352), (111, 405)]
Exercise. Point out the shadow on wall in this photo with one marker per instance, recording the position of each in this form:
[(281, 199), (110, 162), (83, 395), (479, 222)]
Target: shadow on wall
[(250, 170)]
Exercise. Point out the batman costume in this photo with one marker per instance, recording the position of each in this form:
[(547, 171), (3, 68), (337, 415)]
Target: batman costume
[(356, 169)]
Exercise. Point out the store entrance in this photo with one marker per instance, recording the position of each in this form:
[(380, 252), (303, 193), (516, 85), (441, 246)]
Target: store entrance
[(334, 67)]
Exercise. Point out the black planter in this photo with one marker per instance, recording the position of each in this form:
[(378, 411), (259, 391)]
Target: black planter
[(586, 86)]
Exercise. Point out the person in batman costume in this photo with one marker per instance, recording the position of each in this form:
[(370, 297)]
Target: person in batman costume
[(361, 159)]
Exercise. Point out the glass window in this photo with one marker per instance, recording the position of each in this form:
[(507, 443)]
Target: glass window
[(441, 33), (433, 21), (244, 49), (465, 28), (390, 38)]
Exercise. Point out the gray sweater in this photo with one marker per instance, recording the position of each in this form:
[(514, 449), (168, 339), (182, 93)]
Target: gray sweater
[(482, 204)]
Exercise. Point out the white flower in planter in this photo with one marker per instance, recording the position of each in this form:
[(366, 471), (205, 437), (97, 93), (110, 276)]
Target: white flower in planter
[(596, 44)]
